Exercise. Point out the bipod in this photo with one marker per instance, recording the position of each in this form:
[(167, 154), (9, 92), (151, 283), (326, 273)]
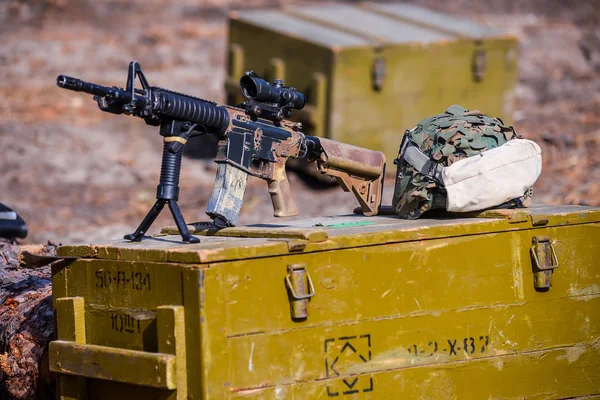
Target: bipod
[(167, 192)]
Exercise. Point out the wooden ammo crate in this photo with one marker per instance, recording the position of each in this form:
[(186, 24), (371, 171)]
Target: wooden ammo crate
[(433, 308), (371, 71)]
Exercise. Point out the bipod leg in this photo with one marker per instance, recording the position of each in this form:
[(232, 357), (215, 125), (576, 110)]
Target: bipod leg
[(186, 236), (175, 136), (147, 222)]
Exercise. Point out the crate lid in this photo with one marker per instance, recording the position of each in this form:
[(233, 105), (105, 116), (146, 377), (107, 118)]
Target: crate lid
[(326, 233), (368, 24)]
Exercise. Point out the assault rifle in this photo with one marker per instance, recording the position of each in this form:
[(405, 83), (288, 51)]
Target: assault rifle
[(255, 138)]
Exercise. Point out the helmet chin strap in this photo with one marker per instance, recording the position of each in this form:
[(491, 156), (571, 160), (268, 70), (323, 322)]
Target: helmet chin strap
[(421, 162)]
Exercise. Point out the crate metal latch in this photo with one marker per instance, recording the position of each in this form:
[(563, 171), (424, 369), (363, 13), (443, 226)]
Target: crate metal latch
[(544, 261), (378, 72), (479, 61), (300, 289)]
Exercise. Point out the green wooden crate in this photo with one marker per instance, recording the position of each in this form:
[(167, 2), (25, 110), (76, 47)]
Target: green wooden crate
[(435, 308), (371, 71)]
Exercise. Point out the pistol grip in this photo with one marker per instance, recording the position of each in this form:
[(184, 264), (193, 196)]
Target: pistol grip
[(284, 204)]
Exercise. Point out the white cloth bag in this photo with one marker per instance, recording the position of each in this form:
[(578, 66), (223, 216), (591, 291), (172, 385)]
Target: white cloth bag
[(492, 177)]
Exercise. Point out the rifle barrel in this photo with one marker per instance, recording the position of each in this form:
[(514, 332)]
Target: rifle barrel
[(164, 103), (77, 85)]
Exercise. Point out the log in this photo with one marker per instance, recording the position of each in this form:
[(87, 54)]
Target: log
[(26, 323)]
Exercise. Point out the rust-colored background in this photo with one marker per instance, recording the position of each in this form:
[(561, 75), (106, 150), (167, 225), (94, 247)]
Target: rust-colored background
[(76, 174)]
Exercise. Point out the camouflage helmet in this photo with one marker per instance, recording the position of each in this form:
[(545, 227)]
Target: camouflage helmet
[(444, 138)]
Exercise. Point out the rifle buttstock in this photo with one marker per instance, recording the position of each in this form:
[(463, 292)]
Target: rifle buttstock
[(357, 170)]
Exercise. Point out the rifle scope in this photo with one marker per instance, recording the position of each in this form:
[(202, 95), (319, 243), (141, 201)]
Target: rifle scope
[(255, 88)]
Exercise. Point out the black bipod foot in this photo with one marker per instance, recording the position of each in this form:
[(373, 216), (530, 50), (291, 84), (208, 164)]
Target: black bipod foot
[(147, 222), (190, 239), (133, 237), (186, 236)]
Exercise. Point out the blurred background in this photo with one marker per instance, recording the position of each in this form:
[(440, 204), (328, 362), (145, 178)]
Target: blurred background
[(76, 174)]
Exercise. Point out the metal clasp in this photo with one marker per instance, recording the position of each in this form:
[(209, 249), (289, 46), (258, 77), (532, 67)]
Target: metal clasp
[(300, 289), (544, 261), (378, 72), (479, 61)]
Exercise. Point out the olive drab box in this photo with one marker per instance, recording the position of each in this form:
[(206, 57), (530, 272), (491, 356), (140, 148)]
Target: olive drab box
[(371, 70), (502, 304)]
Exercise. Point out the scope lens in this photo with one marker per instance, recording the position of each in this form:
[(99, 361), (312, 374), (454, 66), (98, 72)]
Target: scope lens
[(248, 86)]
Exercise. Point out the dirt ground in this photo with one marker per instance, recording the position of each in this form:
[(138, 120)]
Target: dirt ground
[(76, 174)]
